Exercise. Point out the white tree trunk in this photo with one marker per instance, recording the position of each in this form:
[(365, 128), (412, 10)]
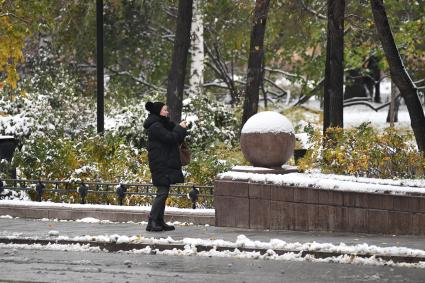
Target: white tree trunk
[(197, 51)]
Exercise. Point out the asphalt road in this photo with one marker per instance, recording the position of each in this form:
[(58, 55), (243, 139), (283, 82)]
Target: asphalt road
[(31, 265), (22, 265)]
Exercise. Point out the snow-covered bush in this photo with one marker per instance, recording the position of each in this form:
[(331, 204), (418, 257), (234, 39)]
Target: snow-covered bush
[(127, 122), (212, 122), (46, 104)]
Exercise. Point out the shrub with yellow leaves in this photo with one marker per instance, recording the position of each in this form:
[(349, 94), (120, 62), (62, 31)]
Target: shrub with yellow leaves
[(363, 151)]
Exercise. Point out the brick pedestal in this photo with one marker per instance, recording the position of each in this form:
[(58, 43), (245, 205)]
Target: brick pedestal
[(277, 207)]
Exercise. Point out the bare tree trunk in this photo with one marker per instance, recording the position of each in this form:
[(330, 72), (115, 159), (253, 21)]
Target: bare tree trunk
[(177, 72), (399, 74), (256, 60), (334, 69), (394, 105), (373, 66)]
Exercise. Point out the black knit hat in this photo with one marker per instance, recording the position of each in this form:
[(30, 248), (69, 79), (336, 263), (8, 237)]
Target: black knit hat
[(154, 107)]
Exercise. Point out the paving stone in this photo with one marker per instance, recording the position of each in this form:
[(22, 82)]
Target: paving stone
[(418, 224), (338, 218), (282, 193), (231, 188), (259, 214), (324, 217), (259, 191), (377, 221), (406, 203), (400, 222), (331, 197), (13, 211), (231, 211), (357, 220), (301, 216), (282, 215), (313, 218), (65, 214), (306, 195)]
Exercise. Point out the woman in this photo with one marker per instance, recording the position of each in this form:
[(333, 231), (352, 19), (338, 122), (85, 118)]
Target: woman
[(164, 138)]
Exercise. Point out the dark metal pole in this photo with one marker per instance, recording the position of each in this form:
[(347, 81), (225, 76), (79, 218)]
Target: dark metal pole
[(99, 66)]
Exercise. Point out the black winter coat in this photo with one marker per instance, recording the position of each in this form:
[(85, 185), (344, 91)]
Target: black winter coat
[(164, 138)]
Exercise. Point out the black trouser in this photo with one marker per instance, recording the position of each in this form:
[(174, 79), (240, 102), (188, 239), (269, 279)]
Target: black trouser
[(158, 205)]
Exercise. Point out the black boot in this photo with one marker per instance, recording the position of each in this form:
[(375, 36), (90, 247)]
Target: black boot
[(154, 226), (165, 226)]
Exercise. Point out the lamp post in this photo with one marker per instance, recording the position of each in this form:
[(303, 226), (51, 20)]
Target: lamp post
[(99, 66)]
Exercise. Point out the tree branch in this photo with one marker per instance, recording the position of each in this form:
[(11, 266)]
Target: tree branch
[(281, 72), (310, 10), (276, 86), (306, 97), (136, 79), (369, 104), (7, 14)]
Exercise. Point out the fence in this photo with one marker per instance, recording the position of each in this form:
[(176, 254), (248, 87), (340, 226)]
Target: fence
[(198, 194)]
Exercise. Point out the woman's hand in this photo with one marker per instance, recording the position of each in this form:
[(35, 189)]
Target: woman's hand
[(183, 124)]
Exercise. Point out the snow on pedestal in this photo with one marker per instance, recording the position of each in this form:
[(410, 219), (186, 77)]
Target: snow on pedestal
[(268, 139)]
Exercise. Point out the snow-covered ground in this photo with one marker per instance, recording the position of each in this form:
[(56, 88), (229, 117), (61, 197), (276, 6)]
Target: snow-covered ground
[(358, 114)]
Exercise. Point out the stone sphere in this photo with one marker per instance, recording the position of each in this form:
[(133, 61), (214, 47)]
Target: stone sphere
[(267, 139)]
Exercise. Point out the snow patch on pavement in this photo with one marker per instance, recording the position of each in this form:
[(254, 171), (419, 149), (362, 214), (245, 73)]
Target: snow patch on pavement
[(6, 217), (350, 254)]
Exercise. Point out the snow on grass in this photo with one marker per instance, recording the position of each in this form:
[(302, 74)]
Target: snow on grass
[(332, 182), (356, 115)]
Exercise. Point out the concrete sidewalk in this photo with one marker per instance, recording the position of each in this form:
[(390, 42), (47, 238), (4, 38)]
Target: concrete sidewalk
[(27, 227)]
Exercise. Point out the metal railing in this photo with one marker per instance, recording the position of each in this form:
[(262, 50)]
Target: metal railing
[(121, 190)]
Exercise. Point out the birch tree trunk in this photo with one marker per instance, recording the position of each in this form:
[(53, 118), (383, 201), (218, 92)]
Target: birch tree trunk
[(197, 51)]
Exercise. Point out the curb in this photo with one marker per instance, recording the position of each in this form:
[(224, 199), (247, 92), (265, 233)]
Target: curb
[(115, 215), (115, 247)]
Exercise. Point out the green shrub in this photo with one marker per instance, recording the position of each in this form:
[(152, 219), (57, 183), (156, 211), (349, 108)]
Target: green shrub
[(207, 163), (100, 158), (363, 151)]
